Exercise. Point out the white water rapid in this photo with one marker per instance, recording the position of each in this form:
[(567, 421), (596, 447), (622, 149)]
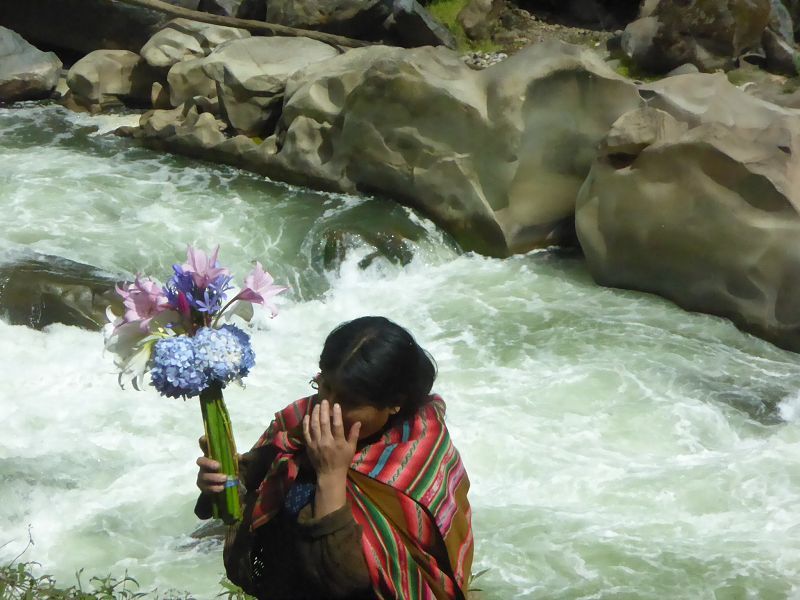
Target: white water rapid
[(618, 446)]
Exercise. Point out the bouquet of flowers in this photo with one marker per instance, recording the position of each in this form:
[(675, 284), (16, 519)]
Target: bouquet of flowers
[(174, 332)]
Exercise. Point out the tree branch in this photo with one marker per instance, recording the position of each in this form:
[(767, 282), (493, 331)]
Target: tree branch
[(256, 27)]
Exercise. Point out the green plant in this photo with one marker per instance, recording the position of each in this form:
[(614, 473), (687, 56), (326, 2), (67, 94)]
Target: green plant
[(446, 11), (18, 581)]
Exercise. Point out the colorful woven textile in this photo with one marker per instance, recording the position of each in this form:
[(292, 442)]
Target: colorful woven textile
[(407, 490)]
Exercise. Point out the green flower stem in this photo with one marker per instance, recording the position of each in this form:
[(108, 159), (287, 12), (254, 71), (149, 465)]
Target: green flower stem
[(222, 448)]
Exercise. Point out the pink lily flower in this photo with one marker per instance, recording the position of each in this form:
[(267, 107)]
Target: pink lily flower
[(143, 299), (203, 268), (259, 288)]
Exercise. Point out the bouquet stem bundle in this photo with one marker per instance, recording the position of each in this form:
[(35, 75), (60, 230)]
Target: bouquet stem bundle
[(222, 448)]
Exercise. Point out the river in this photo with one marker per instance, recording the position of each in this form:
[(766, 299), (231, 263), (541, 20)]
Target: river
[(618, 447)]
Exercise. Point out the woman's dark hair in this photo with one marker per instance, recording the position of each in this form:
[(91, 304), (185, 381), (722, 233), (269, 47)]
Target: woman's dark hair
[(373, 361)]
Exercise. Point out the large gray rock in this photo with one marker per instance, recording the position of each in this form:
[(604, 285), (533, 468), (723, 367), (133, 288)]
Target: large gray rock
[(188, 79), (182, 39), (250, 75), (25, 71), (695, 198), (108, 77), (707, 33), (496, 156)]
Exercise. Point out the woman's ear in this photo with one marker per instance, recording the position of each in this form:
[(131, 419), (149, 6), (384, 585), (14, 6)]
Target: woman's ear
[(394, 410)]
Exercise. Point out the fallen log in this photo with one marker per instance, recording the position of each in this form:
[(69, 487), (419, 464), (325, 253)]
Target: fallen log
[(257, 27)]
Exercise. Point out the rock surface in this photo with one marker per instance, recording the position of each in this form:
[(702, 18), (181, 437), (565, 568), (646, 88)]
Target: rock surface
[(108, 77), (250, 76), (182, 39), (352, 18), (695, 198), (39, 290), (26, 73), (707, 33)]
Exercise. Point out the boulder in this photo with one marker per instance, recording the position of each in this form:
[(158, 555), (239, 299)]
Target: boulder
[(694, 198), (780, 56), (250, 76), (478, 17), (189, 130), (107, 77), (188, 79), (707, 33), (38, 290), (496, 156), (351, 18), (182, 39), (26, 73)]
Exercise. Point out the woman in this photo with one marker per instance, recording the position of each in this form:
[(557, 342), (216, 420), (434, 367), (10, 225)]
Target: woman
[(356, 491)]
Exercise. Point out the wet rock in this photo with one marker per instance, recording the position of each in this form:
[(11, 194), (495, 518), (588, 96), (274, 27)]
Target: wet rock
[(38, 290), (693, 198), (26, 73)]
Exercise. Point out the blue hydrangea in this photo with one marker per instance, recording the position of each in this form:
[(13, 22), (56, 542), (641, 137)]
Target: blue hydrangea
[(224, 354), (175, 370)]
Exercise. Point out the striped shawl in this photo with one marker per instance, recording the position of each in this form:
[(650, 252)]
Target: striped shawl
[(407, 490)]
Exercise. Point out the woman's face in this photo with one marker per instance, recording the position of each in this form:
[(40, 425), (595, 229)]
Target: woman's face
[(372, 418)]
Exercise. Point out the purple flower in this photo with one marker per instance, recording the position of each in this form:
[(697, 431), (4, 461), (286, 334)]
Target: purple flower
[(203, 268), (259, 288)]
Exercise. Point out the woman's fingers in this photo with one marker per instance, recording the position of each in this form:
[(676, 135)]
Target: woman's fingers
[(203, 441), (210, 479), (314, 429), (338, 424), (325, 420), (306, 429), (207, 464), (352, 437)]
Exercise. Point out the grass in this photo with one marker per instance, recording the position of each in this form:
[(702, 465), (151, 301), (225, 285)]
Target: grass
[(18, 581), (446, 12)]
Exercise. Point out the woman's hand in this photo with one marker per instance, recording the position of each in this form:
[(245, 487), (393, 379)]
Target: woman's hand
[(330, 453), (209, 479)]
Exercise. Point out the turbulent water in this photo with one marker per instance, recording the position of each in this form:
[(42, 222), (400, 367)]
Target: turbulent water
[(618, 447)]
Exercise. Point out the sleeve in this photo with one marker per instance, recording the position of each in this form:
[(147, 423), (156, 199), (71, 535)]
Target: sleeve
[(330, 553)]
